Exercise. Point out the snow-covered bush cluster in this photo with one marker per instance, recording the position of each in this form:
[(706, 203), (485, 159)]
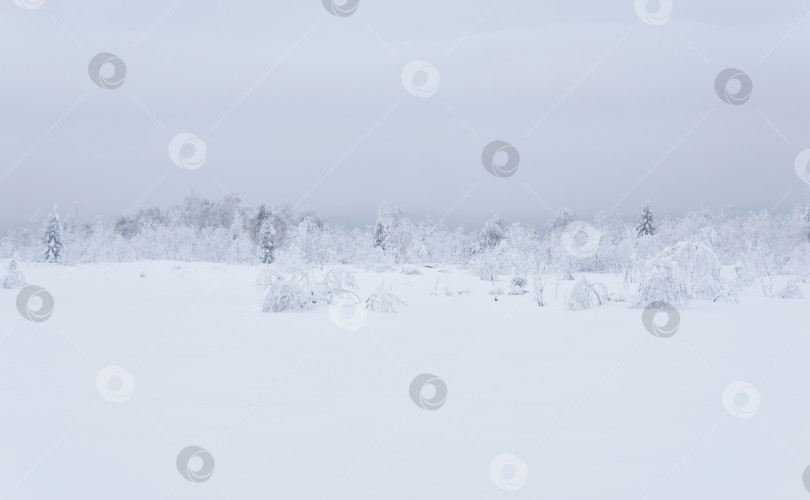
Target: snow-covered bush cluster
[(699, 256), (13, 278), (586, 295), (302, 288)]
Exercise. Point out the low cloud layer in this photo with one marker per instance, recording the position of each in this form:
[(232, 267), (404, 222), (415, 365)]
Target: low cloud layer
[(297, 105)]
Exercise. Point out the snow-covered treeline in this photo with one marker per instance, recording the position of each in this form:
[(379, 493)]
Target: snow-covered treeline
[(681, 258)]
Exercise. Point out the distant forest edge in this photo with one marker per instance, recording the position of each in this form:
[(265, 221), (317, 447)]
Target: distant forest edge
[(698, 255)]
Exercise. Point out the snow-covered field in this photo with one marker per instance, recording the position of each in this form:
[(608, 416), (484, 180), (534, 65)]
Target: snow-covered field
[(588, 404)]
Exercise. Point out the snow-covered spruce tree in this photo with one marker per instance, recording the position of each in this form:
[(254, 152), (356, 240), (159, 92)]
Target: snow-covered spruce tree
[(267, 246), (257, 222), (54, 239), (646, 224), (386, 229)]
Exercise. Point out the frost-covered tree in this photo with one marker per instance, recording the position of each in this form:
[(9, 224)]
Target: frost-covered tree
[(54, 239), (646, 223), (240, 248), (307, 240), (13, 277), (557, 225), (493, 232), (257, 222), (683, 272), (385, 227), (267, 245), (390, 232), (126, 227), (806, 222)]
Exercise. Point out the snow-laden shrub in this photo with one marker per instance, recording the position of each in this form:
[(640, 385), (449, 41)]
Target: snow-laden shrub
[(517, 286), (799, 261), (13, 278), (411, 270), (302, 288), (790, 291), (536, 286), (680, 273), (384, 300), (743, 274), (586, 295), (337, 281), (293, 293)]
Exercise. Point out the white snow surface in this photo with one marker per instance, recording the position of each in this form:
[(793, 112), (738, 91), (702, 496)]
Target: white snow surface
[(291, 406)]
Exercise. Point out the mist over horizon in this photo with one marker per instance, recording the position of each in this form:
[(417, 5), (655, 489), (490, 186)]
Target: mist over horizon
[(470, 221), (396, 103)]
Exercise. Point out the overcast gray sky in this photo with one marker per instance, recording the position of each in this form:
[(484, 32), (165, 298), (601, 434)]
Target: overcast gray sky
[(297, 105)]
